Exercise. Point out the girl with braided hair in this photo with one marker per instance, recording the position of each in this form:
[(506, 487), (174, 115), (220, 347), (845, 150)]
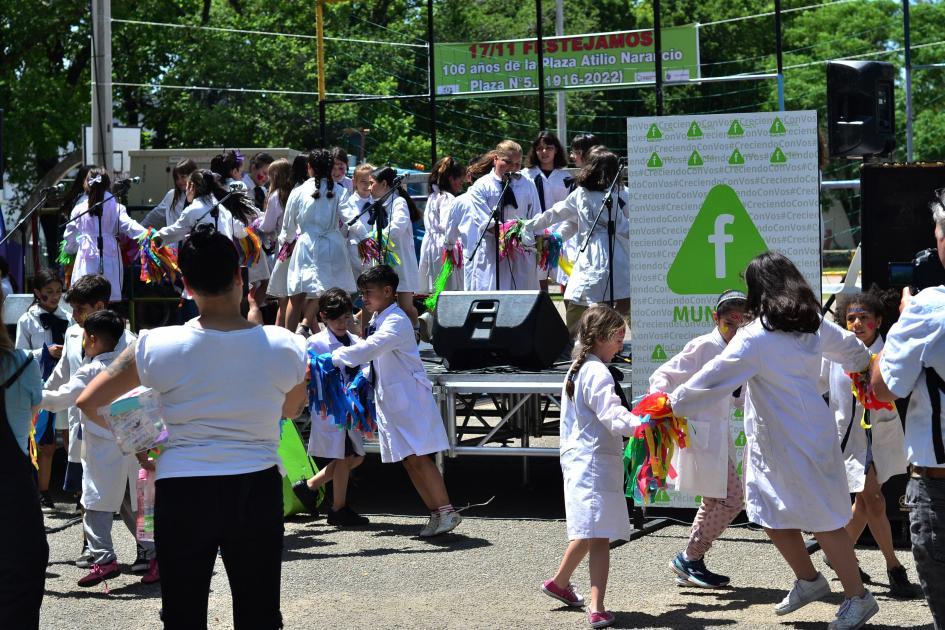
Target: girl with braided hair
[(593, 425)]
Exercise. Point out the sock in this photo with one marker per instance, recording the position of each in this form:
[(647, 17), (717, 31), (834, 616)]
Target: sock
[(446, 509), (688, 558)]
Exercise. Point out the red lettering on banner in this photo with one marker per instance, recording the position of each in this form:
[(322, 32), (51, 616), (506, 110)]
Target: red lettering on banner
[(646, 38)]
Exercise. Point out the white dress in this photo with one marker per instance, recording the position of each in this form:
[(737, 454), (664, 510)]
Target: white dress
[(399, 231), (888, 440), (592, 429), (794, 471), (408, 418), (326, 439), (81, 237), (553, 188), (589, 282), (702, 467), (517, 273), (436, 221), (320, 258)]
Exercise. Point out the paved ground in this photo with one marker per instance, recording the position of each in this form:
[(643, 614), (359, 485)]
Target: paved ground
[(484, 576)]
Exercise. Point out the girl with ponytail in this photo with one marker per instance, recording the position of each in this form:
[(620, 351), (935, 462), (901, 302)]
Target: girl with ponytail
[(593, 425)]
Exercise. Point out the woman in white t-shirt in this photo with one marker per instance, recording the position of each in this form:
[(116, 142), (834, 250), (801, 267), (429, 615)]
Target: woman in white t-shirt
[(218, 481)]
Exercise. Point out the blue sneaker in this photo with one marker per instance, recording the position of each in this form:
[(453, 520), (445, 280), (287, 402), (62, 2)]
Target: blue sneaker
[(694, 573)]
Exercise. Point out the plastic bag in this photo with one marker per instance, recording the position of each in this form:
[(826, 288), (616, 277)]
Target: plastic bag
[(137, 421)]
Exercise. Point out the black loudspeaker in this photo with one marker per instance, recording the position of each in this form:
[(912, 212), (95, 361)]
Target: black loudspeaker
[(860, 112), (518, 328), (895, 218)]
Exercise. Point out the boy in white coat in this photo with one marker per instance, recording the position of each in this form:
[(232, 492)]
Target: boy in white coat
[(409, 424), (707, 466), (107, 472)]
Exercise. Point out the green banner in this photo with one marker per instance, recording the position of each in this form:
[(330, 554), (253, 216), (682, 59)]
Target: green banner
[(595, 61)]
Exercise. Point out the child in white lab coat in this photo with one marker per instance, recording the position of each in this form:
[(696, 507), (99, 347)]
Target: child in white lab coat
[(871, 455), (408, 420), (593, 425), (794, 471), (707, 466), (344, 448), (109, 476)]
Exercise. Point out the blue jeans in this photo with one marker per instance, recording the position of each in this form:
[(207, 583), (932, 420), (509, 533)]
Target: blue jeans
[(926, 497)]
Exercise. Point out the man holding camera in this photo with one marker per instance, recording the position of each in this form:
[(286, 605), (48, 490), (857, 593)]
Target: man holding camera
[(913, 362)]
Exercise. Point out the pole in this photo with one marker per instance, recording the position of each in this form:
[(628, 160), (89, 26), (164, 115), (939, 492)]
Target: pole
[(658, 56), (778, 52), (320, 60), (322, 136), (431, 68), (561, 110), (907, 31), (541, 67), (102, 83)]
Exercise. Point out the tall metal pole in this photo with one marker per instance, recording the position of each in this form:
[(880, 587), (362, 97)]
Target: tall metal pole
[(658, 55), (778, 52), (320, 59), (431, 69), (102, 83), (906, 27), (541, 67), (561, 110)]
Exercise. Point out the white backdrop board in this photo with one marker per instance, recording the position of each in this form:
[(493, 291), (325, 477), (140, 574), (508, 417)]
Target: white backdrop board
[(708, 193)]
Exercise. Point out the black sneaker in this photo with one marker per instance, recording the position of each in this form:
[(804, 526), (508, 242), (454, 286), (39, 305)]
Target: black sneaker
[(46, 504), (864, 576), (346, 517), (141, 563), (307, 496), (695, 573), (84, 561), (899, 585)]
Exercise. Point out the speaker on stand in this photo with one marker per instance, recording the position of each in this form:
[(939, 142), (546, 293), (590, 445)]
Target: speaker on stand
[(861, 119)]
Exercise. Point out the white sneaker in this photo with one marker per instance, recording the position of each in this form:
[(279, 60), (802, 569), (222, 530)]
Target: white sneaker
[(447, 523), (426, 327), (854, 612), (803, 593), (431, 525)]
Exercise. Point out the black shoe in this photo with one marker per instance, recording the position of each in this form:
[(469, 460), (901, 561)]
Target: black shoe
[(84, 561), (307, 496), (46, 504), (141, 563), (864, 576), (899, 585), (346, 517)]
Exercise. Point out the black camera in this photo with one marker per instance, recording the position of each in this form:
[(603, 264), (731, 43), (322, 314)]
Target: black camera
[(924, 271)]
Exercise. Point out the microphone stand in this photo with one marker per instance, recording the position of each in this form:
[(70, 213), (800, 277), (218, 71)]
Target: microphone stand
[(22, 226), (370, 208), (608, 203), (378, 215), (497, 219)]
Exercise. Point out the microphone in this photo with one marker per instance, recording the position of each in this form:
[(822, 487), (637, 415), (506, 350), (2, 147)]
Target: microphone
[(58, 188), (128, 182), (510, 176), (235, 186), (621, 359)]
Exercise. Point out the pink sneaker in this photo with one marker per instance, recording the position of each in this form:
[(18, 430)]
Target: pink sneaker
[(153, 575), (99, 573), (600, 619), (568, 595)]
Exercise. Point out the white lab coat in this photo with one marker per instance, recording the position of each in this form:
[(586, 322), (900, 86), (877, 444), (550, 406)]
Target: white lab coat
[(465, 231), (518, 273), (81, 238), (702, 467), (556, 187), (590, 278), (106, 471), (326, 439), (353, 207), (197, 212), (172, 210), (30, 334), (436, 221), (889, 447), (399, 231), (279, 276), (794, 471), (593, 426), (320, 258), (408, 418)]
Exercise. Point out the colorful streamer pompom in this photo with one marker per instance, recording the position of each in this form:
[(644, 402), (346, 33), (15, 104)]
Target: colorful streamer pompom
[(452, 260), (510, 239), (863, 391), (157, 262), (548, 250), (370, 250), (250, 248), (565, 265), (650, 450), (347, 407), (65, 258), (285, 251)]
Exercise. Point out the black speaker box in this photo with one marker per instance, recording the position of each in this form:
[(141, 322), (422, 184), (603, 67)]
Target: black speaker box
[(860, 112), (895, 218), (518, 328)]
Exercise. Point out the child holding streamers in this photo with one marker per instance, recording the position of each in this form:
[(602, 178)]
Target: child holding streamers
[(344, 448), (593, 424), (707, 466), (794, 472), (409, 424), (446, 181), (41, 330), (545, 166), (873, 454)]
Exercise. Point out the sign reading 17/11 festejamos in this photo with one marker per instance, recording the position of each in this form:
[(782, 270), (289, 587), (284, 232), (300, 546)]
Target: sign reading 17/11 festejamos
[(593, 61), (708, 193)]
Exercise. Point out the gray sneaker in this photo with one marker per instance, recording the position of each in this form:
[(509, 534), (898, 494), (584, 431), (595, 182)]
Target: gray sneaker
[(854, 612), (447, 523), (803, 593), (431, 525)]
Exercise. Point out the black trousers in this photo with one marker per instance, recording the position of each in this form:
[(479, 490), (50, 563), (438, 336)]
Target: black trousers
[(241, 515), (23, 562)]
